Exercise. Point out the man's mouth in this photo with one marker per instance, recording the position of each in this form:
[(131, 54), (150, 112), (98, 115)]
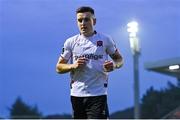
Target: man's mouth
[(83, 28)]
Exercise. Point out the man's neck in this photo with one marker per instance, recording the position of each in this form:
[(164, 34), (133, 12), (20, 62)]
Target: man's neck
[(91, 34)]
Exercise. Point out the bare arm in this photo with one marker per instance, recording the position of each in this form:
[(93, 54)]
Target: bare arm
[(118, 59), (116, 63), (62, 65)]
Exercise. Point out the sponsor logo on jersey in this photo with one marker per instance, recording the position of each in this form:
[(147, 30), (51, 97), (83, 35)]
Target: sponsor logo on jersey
[(90, 56)]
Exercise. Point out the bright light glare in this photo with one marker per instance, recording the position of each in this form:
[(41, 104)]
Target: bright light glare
[(132, 27), (132, 34), (133, 23), (174, 67)]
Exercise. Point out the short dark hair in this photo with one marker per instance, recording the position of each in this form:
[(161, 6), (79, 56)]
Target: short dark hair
[(85, 9)]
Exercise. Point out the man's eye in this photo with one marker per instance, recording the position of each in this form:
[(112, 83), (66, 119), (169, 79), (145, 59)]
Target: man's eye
[(80, 20), (85, 20)]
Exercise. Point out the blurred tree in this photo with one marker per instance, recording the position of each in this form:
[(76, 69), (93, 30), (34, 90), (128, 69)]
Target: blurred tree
[(156, 104), (151, 104), (21, 110)]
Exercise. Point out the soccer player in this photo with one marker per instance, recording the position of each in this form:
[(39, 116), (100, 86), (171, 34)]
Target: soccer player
[(85, 56)]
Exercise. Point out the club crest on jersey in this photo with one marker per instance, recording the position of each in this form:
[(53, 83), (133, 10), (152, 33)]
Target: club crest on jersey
[(99, 43)]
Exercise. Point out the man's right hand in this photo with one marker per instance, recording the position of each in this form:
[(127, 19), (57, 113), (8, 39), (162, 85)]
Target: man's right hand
[(81, 62)]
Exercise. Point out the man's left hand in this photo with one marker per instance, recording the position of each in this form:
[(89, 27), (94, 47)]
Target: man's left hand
[(108, 66)]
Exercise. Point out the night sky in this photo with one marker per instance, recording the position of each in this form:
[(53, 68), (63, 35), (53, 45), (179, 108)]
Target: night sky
[(32, 33)]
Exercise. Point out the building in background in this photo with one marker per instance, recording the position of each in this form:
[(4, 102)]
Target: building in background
[(169, 67)]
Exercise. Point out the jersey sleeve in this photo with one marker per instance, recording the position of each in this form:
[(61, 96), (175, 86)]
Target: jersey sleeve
[(66, 50), (111, 46)]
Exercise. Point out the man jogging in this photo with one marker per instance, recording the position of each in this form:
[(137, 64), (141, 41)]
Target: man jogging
[(85, 56)]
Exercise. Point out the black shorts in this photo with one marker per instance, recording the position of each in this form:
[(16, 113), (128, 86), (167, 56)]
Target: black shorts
[(90, 107)]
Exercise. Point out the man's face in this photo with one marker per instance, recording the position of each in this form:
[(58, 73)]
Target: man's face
[(85, 22)]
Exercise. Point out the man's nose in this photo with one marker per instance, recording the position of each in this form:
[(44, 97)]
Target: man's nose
[(83, 21)]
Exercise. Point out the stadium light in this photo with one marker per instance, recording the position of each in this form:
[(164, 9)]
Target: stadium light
[(174, 67), (132, 28)]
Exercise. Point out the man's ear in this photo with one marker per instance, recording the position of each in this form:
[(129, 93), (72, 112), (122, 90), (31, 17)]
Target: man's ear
[(94, 21)]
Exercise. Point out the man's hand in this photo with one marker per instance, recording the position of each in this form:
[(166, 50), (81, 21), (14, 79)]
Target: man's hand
[(81, 62), (108, 66)]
